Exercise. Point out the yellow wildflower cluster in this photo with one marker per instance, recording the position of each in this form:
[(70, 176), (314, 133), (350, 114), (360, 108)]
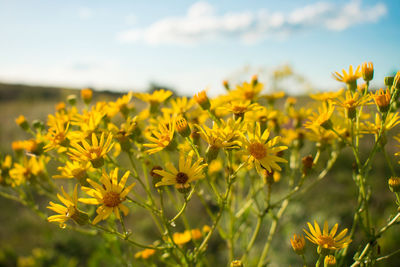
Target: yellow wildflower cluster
[(240, 158)]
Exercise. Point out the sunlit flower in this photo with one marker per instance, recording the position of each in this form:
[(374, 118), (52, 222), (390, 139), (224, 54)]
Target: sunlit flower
[(239, 107), (202, 99), (160, 137), (86, 95), (69, 210), (110, 195), (260, 151), (57, 136), (247, 91), (94, 153), (392, 120), (325, 96), (350, 78), (184, 175), (122, 105), (350, 102), (74, 169), (322, 118), (21, 173), (182, 238), (326, 239), (329, 261)]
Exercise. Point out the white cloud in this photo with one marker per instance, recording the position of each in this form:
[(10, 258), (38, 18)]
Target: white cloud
[(202, 23), (85, 13)]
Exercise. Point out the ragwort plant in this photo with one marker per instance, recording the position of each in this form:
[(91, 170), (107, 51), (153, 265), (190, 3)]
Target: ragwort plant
[(223, 155)]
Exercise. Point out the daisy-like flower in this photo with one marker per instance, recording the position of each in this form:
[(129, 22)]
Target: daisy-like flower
[(351, 102), (89, 121), (57, 136), (110, 195), (69, 210), (326, 239), (160, 137), (74, 169), (392, 120), (349, 78), (261, 152), (326, 96), (154, 99), (186, 173), (239, 108), (247, 91), (122, 105), (322, 118), (25, 171), (94, 153)]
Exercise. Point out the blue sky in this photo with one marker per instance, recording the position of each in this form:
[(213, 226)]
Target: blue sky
[(191, 45)]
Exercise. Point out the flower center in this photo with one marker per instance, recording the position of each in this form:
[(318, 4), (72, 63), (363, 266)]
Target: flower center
[(257, 150), (249, 94), (181, 178), (326, 241), (239, 110), (111, 199)]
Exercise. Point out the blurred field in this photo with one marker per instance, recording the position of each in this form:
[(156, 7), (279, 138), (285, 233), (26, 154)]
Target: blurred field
[(24, 235)]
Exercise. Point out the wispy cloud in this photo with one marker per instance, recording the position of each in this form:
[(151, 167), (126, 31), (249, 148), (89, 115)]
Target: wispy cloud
[(202, 23)]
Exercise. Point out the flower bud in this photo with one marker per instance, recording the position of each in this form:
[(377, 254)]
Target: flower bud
[(298, 244), (226, 85), (182, 127), (86, 95), (71, 99), (367, 70), (389, 81), (382, 99), (202, 99), (254, 80), (21, 121), (394, 184), (308, 163), (236, 263), (60, 106), (329, 261)]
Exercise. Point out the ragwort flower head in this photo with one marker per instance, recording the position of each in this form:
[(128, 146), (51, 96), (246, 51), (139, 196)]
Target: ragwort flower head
[(382, 99), (110, 195), (325, 239), (161, 137), (367, 70), (322, 118), (350, 78), (247, 91), (94, 153), (262, 152), (184, 175), (69, 210)]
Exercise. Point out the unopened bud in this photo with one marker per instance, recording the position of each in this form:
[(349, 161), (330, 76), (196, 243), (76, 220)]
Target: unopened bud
[(87, 95), (394, 184)]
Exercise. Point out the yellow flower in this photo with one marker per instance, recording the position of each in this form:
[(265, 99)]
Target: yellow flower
[(122, 105), (89, 121), (329, 261), (160, 137), (25, 171), (261, 152), (322, 118), (57, 136), (180, 105), (351, 102), (349, 78), (273, 96), (392, 120), (382, 99), (298, 243), (145, 254), (325, 96), (202, 99), (240, 107), (326, 239), (94, 153), (69, 210), (21, 121), (247, 91), (110, 195), (367, 70), (86, 95), (74, 169), (186, 174), (154, 99), (182, 127), (182, 238)]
